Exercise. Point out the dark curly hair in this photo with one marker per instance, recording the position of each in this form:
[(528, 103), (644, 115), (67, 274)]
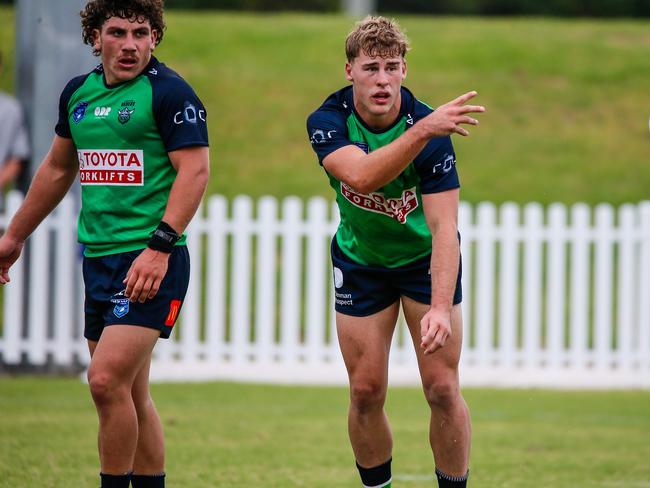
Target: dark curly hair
[(97, 12)]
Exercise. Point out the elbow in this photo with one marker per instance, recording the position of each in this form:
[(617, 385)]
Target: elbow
[(361, 183)]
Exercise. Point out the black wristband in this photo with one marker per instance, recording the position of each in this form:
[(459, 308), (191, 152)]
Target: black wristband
[(163, 238)]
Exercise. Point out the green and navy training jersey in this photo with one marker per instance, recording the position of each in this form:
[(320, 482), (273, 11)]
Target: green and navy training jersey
[(123, 134), (386, 227)]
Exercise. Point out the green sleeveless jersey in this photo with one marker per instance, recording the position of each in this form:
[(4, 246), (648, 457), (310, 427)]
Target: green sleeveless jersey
[(386, 227), (123, 134)]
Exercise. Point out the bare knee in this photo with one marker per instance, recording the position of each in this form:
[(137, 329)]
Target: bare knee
[(366, 396), (104, 388), (442, 394)]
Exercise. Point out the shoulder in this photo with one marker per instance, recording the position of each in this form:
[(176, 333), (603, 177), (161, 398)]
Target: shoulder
[(335, 109), (75, 83), (413, 106), (165, 81), (338, 104)]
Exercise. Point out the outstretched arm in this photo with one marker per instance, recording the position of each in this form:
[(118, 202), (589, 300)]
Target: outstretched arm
[(148, 270), (50, 184), (441, 211), (367, 172)]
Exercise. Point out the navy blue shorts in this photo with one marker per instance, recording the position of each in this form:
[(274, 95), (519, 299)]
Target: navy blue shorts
[(106, 304), (364, 290)]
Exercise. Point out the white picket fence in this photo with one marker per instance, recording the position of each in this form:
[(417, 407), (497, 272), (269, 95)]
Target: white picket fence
[(555, 298)]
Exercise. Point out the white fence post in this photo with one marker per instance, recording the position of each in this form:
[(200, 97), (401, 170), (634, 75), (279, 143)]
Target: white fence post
[(532, 296), (579, 286), (14, 298), (241, 278), (486, 223), (627, 293), (68, 254), (555, 284), (216, 279), (604, 279), (265, 293), (509, 264), (290, 287), (316, 271), (643, 343)]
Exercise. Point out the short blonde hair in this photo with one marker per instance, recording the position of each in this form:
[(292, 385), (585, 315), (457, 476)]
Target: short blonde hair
[(376, 36)]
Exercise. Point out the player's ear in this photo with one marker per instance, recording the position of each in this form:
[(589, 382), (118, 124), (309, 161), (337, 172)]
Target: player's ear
[(97, 40), (154, 38), (348, 70), (403, 69)]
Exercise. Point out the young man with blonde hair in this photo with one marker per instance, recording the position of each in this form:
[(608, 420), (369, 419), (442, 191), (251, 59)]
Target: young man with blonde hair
[(135, 133), (390, 160)]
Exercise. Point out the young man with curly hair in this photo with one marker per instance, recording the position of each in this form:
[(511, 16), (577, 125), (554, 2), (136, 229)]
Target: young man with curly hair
[(136, 134), (390, 160)]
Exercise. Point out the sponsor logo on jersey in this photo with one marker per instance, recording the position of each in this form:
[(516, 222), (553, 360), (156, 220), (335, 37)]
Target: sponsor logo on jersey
[(102, 112), (79, 112), (409, 119), (395, 208), (319, 135), (189, 114), (447, 163), (117, 167), (121, 304)]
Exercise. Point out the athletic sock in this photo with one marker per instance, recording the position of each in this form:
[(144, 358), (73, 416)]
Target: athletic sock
[(377, 477), (148, 481), (447, 481), (115, 480)]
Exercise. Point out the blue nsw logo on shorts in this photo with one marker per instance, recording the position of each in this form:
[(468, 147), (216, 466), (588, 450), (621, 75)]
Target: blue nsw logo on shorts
[(121, 304)]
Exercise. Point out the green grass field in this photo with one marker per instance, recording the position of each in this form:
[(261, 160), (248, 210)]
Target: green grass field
[(567, 100), (241, 436)]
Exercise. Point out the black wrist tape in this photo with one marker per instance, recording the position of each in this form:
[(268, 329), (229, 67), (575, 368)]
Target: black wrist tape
[(163, 238)]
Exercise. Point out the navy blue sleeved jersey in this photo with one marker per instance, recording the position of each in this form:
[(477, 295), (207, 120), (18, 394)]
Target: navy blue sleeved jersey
[(124, 134), (337, 124), (375, 227)]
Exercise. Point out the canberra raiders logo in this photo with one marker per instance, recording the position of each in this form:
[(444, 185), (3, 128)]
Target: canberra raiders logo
[(395, 208), (124, 114)]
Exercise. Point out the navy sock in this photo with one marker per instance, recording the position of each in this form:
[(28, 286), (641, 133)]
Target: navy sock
[(148, 481), (447, 481), (115, 480), (379, 476)]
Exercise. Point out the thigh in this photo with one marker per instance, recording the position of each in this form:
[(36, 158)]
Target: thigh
[(122, 351), (444, 362), (365, 344)]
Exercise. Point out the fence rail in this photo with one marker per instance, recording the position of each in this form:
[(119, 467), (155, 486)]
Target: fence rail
[(555, 297)]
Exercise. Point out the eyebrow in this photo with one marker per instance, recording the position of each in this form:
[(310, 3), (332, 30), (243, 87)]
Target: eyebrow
[(141, 29), (376, 63)]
